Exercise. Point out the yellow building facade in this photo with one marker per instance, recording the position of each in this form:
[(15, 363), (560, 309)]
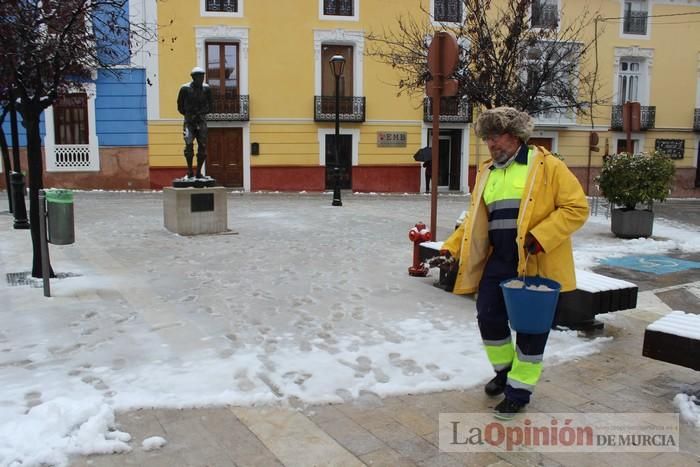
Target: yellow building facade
[(273, 123)]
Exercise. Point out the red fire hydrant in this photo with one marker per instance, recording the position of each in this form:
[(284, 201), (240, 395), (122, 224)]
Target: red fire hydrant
[(418, 235)]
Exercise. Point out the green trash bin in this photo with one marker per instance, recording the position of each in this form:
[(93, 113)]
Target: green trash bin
[(59, 210)]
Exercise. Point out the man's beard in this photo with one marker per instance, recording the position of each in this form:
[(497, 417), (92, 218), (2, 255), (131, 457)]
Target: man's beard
[(500, 156)]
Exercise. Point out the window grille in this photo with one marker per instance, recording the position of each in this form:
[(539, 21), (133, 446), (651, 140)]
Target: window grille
[(448, 11), (226, 6), (338, 7), (544, 15), (635, 22)]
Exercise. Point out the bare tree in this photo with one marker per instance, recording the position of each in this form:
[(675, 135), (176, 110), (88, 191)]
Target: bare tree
[(503, 59), (49, 47)]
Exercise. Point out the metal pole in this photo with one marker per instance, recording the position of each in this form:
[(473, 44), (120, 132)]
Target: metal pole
[(435, 155), (45, 273), (17, 180), (588, 167), (337, 201), (627, 117)]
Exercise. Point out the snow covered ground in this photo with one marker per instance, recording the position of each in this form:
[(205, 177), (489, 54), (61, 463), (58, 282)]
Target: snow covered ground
[(307, 303)]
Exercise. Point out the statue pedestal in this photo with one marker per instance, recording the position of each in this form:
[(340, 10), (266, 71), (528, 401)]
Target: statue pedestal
[(193, 211)]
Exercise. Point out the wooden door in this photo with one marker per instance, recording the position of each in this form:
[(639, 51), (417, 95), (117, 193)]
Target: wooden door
[(225, 156), (445, 154), (544, 142), (344, 161)]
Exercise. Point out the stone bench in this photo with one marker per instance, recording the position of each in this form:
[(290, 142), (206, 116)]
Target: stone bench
[(675, 338), (594, 294)]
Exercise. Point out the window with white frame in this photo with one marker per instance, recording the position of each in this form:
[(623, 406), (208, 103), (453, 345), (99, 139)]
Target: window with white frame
[(621, 145), (632, 71), (344, 37), (447, 11), (628, 81), (550, 70), (544, 14), (230, 8), (635, 17), (70, 119), (71, 143)]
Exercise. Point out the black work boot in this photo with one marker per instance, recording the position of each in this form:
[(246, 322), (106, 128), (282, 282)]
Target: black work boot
[(507, 409), (497, 384)]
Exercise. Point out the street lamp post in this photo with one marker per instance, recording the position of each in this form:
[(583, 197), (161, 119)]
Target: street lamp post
[(337, 63), (16, 177)]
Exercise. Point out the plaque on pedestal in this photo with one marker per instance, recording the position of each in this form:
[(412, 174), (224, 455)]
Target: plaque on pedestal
[(193, 211)]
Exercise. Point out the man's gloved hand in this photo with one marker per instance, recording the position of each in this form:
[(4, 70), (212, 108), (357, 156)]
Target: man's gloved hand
[(444, 261), (532, 246)]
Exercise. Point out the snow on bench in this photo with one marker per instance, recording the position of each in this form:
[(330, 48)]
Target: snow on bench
[(594, 294), (675, 338)]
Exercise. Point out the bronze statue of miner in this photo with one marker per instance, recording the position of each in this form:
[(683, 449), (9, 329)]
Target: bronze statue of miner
[(194, 102)]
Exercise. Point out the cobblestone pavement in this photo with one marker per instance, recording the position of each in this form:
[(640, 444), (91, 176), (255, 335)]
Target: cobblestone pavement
[(402, 431)]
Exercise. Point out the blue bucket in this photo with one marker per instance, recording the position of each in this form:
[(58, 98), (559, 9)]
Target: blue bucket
[(531, 311)]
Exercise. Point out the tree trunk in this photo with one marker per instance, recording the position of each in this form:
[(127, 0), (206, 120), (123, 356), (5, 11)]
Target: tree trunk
[(6, 166), (36, 182)]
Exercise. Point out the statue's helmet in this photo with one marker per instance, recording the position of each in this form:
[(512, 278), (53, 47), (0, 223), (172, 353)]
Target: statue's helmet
[(197, 71)]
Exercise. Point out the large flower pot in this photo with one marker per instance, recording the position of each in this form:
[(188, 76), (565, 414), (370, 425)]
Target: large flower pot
[(632, 223)]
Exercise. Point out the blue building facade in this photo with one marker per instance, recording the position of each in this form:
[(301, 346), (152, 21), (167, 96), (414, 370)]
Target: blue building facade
[(96, 136)]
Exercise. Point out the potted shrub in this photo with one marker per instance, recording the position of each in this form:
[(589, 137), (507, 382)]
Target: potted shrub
[(632, 182)]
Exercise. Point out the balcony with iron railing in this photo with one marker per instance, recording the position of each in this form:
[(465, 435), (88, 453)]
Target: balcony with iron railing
[(351, 108), (452, 110), (696, 120), (635, 22), (647, 118), (544, 15), (229, 107)]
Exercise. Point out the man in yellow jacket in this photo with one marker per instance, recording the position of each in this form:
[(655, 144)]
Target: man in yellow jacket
[(525, 206)]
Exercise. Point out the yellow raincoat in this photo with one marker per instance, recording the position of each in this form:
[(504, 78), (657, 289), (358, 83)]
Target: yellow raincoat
[(553, 207)]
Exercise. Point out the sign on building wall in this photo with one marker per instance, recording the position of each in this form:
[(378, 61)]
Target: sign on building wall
[(673, 148), (396, 139)]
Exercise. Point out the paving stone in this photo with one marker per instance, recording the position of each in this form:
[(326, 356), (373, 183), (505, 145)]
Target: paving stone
[(555, 392), (476, 458), (582, 459), (416, 420), (352, 436), (389, 432), (294, 439), (386, 457), (434, 403), (680, 299), (364, 415), (669, 459), (441, 460), (240, 444), (414, 448), (527, 459), (323, 413)]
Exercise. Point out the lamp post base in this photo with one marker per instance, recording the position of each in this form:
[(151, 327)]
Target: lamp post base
[(337, 201), (20, 210)]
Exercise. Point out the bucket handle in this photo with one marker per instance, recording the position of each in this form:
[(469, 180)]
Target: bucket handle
[(537, 271)]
